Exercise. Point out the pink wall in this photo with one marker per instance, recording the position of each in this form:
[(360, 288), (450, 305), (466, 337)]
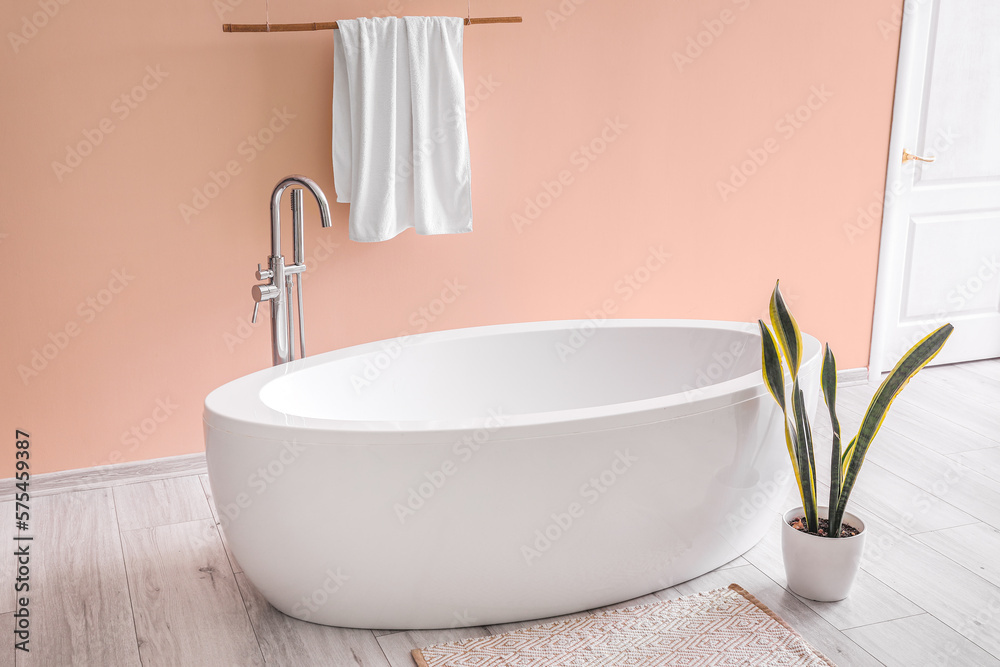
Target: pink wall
[(150, 341)]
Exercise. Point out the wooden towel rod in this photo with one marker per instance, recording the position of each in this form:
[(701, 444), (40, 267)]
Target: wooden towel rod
[(332, 25)]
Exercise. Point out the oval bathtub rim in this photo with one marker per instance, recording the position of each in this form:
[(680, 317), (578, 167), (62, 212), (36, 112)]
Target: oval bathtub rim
[(256, 419), (365, 439)]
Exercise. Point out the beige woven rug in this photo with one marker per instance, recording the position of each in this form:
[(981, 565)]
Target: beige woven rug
[(727, 626)]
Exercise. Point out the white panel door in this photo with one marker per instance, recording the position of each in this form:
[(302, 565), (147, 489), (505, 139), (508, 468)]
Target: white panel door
[(939, 259)]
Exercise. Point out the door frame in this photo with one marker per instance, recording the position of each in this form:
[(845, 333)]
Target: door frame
[(892, 247)]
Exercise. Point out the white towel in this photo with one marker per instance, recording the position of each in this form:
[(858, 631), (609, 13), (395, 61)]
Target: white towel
[(400, 143)]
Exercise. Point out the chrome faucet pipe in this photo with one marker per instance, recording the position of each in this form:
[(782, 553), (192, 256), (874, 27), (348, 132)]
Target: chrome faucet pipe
[(279, 189), (279, 290), (280, 353), (288, 318), (298, 251)]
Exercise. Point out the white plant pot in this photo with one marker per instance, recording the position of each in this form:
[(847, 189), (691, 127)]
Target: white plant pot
[(821, 568)]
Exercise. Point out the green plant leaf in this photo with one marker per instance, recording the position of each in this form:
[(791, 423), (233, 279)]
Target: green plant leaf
[(791, 438), (770, 363), (804, 455), (787, 331), (909, 365), (774, 380), (828, 380), (845, 458)]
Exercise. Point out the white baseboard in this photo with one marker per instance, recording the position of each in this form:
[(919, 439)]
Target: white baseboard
[(851, 376), (110, 475)]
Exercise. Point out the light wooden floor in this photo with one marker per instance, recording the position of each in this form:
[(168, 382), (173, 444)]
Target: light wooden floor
[(140, 574)]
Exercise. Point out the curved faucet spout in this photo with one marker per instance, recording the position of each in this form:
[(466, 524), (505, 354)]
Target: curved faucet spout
[(308, 183)]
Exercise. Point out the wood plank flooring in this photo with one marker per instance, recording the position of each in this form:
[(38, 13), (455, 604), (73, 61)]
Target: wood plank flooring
[(187, 604), (7, 629), (7, 565), (80, 609), (133, 574)]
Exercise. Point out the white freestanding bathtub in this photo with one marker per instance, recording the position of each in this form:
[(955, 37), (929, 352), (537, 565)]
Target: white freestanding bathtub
[(499, 473)]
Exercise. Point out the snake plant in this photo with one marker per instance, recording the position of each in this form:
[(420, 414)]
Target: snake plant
[(781, 351)]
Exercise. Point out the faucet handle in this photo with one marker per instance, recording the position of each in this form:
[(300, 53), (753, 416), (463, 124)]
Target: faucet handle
[(262, 293), (263, 274), (265, 292)]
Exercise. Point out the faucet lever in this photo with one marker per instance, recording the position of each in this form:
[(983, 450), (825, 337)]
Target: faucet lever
[(265, 292), (263, 274), (262, 293)]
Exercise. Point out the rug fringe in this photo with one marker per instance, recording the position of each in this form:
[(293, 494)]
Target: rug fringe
[(418, 658), (767, 610)]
